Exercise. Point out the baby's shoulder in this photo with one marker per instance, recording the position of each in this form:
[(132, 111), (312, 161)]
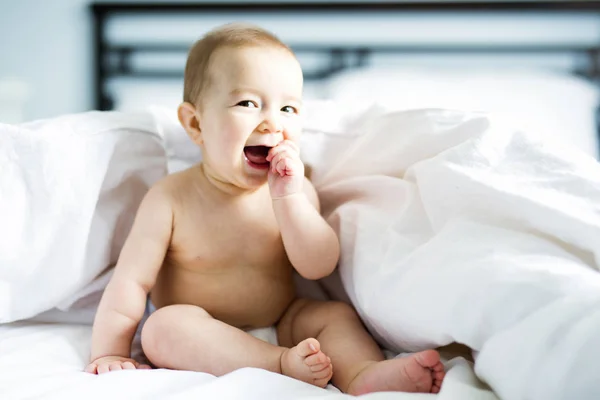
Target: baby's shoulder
[(175, 188), (171, 182), (167, 189), (157, 203)]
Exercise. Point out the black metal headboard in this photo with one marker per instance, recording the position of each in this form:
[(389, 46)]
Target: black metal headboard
[(114, 60)]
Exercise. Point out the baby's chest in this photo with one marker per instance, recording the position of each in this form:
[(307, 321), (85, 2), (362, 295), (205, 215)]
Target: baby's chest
[(231, 238)]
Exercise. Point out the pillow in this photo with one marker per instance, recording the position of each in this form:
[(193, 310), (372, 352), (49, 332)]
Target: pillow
[(69, 190), (558, 105)]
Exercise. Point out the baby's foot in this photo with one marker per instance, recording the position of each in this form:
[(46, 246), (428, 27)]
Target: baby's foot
[(307, 363), (421, 372)]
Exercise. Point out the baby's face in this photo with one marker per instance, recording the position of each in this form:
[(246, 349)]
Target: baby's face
[(252, 103)]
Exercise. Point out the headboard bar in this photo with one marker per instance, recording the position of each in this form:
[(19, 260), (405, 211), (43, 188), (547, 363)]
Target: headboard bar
[(307, 6), (114, 60)]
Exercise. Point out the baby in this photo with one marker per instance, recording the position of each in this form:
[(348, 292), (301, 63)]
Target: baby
[(212, 250)]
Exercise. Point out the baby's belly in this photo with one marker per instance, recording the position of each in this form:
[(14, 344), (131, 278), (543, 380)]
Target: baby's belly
[(242, 297)]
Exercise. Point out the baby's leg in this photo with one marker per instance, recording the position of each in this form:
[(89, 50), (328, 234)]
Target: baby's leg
[(186, 337), (358, 363)]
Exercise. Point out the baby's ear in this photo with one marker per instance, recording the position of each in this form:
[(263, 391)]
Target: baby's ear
[(190, 121)]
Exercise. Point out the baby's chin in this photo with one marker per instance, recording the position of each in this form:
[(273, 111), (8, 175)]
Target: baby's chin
[(251, 176), (253, 183)]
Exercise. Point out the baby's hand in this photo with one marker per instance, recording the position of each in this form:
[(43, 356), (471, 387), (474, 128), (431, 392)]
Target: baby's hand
[(113, 363), (286, 176)]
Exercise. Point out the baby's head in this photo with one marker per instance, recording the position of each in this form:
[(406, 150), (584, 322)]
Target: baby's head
[(242, 95)]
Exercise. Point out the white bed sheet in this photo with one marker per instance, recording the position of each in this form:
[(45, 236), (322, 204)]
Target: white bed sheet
[(45, 360)]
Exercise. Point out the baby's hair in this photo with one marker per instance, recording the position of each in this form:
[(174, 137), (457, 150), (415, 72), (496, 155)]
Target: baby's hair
[(237, 35)]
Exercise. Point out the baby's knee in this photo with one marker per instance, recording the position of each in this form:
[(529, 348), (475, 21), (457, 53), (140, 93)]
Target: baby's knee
[(340, 310), (159, 331)]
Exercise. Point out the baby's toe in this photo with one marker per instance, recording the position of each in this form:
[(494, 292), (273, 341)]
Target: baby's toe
[(323, 377), (128, 365), (320, 367), (115, 367), (438, 367), (324, 373), (91, 368), (308, 347), (316, 359), (103, 368), (439, 376), (429, 359)]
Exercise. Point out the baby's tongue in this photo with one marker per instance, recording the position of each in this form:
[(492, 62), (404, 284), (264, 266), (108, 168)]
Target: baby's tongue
[(257, 154)]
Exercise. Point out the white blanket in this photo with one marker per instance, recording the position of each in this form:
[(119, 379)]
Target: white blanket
[(457, 228), (69, 189)]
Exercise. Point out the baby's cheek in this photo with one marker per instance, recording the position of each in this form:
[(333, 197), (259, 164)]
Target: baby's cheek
[(233, 138), (293, 131), (294, 137)]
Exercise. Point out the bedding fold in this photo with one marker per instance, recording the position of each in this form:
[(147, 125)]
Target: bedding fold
[(455, 227)]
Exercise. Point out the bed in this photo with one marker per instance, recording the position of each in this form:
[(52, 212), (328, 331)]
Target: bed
[(517, 282), (517, 55)]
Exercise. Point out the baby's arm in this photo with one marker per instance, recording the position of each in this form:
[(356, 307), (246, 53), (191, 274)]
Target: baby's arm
[(124, 299), (310, 243)]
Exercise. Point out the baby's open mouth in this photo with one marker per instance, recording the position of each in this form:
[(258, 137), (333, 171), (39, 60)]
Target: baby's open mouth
[(257, 156)]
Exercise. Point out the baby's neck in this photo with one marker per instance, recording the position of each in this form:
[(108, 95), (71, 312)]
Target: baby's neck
[(222, 187)]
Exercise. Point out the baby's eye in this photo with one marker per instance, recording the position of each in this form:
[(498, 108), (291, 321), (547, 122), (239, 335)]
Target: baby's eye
[(289, 109), (247, 103)]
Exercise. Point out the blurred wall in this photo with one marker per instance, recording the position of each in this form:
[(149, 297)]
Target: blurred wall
[(46, 52), (45, 58)]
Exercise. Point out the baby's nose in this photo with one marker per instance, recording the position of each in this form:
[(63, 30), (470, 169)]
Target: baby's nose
[(270, 125)]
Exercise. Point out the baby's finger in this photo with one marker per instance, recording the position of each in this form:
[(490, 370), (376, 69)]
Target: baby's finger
[(273, 165), (128, 365), (286, 145), (281, 167), (91, 368), (116, 366), (103, 368), (274, 151), (275, 162), (144, 366), (290, 148), (284, 166), (279, 164)]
